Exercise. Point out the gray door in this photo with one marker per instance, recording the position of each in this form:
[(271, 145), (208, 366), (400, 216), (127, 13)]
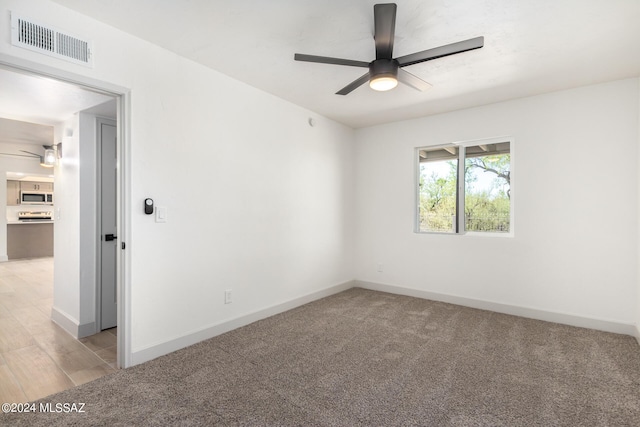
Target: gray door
[(109, 240)]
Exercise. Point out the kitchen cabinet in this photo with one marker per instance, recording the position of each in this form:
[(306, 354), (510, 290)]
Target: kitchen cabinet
[(13, 193), (29, 240), (36, 186)]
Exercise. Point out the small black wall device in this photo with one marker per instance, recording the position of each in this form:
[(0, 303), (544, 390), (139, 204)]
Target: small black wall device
[(148, 206)]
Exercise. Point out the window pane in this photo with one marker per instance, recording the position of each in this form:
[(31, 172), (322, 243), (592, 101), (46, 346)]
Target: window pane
[(487, 201), (438, 182)]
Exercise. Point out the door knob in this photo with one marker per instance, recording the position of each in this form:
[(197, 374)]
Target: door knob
[(110, 237)]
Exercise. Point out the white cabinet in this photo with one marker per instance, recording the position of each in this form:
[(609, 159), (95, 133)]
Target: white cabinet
[(36, 186), (13, 193)]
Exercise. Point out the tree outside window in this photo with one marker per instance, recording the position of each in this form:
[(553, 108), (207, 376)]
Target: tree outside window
[(484, 198)]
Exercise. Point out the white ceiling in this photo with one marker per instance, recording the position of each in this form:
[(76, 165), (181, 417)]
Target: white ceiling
[(20, 132), (41, 100), (531, 47), (30, 105)]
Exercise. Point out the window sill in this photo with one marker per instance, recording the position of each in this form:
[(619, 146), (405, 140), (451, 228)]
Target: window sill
[(468, 234)]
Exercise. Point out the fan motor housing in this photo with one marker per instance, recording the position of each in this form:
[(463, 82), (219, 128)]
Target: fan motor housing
[(383, 68)]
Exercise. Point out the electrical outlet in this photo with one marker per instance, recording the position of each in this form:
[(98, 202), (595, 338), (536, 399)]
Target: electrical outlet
[(227, 297), (379, 268)]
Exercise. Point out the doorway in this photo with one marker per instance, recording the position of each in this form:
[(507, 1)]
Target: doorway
[(90, 237)]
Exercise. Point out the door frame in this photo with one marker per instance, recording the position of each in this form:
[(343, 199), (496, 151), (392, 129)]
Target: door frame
[(123, 183)]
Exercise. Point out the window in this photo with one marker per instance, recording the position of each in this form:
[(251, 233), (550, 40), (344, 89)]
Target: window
[(474, 198)]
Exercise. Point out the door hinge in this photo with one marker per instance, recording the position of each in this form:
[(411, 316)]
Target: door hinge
[(122, 245)]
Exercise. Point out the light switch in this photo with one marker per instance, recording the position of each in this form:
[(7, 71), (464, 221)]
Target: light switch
[(161, 214)]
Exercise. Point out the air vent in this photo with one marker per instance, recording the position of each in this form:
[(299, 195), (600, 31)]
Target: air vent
[(30, 35)]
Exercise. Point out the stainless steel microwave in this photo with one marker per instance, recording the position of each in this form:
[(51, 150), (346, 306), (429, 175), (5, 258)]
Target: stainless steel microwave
[(36, 198)]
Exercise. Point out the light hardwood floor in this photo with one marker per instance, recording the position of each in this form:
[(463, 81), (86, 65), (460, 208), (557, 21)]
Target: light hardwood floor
[(37, 357)]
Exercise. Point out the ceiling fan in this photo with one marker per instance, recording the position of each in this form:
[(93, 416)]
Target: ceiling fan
[(48, 160), (385, 71)]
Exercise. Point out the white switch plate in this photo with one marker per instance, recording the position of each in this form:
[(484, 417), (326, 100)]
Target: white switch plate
[(161, 214)]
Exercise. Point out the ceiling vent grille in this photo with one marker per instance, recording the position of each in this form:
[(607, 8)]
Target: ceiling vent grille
[(27, 34)]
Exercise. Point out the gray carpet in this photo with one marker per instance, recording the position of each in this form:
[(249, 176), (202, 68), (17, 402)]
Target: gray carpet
[(365, 358)]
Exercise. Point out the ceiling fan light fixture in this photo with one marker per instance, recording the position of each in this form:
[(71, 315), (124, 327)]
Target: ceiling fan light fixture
[(383, 83), (49, 159), (383, 74)]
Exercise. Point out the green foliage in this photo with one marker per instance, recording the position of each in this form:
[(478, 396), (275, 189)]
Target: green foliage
[(487, 201), (437, 198), (498, 165)]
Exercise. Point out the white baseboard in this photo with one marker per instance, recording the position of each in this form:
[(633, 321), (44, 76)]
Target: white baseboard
[(87, 329), (71, 325), (4, 258), (531, 313), (65, 321), (166, 347)]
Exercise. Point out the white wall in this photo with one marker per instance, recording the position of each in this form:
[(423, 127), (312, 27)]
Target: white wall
[(575, 249), (258, 201), (75, 232), (66, 309)]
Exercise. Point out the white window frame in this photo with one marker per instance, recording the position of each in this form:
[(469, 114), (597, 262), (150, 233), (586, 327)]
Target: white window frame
[(462, 145)]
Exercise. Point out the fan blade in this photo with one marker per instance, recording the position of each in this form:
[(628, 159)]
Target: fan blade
[(353, 85), (18, 155), (439, 52), (385, 27), (328, 60), (413, 81), (29, 152)]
